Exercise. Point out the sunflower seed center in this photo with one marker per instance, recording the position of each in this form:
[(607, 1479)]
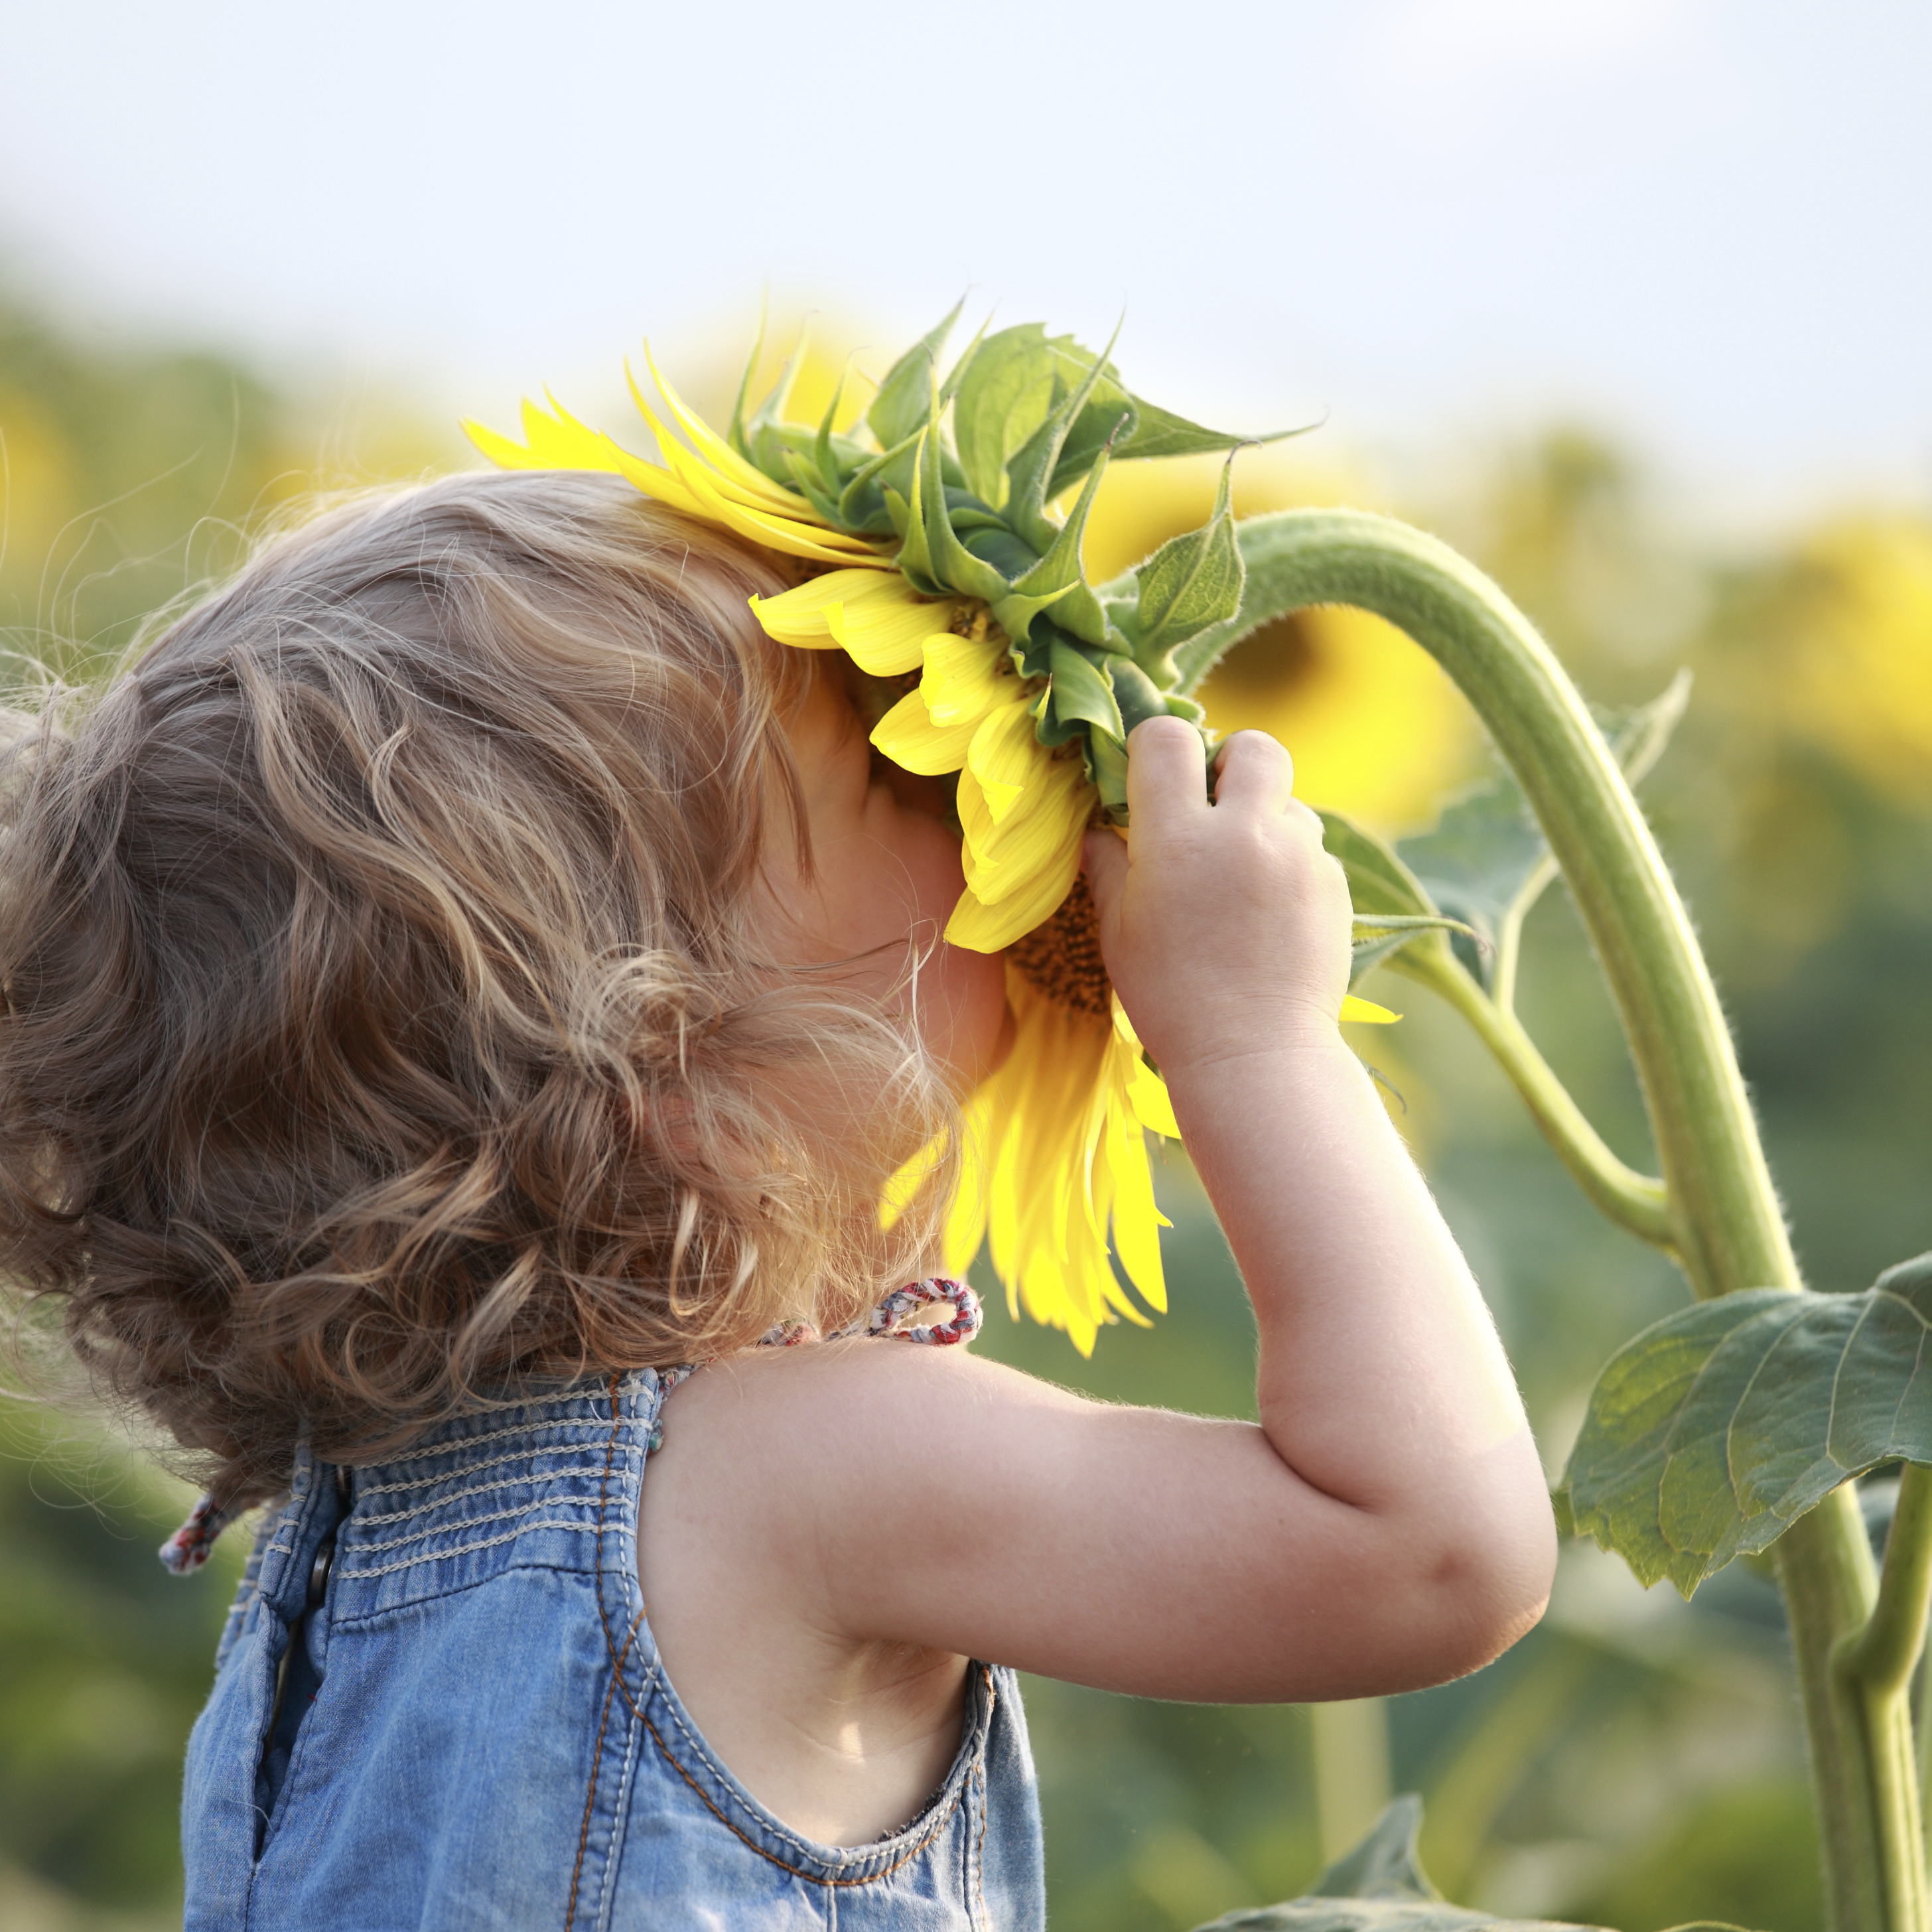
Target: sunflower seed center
[(1061, 957)]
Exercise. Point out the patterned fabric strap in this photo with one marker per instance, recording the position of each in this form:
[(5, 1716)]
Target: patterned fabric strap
[(187, 1550), (966, 1318)]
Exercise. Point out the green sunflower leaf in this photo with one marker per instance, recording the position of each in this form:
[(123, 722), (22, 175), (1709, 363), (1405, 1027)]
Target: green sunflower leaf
[(1713, 1430), (1190, 583), (1158, 432), (1379, 882), (905, 397), (1008, 391), (1486, 860)]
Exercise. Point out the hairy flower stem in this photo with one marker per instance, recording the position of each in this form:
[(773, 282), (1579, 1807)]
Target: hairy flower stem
[(1725, 1227)]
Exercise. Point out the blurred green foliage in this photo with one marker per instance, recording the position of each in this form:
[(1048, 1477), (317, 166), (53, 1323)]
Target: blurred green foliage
[(1635, 1761)]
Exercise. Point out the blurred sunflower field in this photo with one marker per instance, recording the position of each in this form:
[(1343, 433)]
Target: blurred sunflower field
[(1636, 1761)]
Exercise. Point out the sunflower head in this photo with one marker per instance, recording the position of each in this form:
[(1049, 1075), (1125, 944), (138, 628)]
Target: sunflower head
[(962, 480), (960, 485)]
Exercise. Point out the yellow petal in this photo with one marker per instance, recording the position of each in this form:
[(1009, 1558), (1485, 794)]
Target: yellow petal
[(792, 535), (903, 1187), (966, 1222), (1367, 1011), (719, 453), (798, 615), (1137, 1220), (1147, 1095), (884, 639), (1040, 836), (908, 737), (739, 483), (980, 928), (1007, 757), (966, 678)]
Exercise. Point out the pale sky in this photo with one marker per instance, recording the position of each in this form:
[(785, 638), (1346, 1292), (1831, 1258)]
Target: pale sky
[(1703, 223)]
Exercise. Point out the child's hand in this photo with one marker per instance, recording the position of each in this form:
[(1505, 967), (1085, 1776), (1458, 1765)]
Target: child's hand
[(1225, 926)]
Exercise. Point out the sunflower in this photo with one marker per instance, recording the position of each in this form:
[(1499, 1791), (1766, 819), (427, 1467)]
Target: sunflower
[(934, 548)]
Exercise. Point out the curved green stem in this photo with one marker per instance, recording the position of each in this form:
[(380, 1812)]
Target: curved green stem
[(1509, 934), (1872, 1670), (1726, 1229), (1724, 1225), (1637, 1201), (1883, 1655)]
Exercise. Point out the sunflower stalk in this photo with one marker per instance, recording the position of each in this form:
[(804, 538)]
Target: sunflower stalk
[(1718, 1215)]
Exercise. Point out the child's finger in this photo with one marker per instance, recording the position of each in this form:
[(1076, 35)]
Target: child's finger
[(1166, 775), (1104, 860), (1254, 770)]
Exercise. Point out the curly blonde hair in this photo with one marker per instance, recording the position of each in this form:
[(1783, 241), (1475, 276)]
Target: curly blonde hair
[(384, 1017)]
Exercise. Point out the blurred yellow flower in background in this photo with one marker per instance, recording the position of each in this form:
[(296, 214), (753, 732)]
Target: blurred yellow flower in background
[(1851, 667)]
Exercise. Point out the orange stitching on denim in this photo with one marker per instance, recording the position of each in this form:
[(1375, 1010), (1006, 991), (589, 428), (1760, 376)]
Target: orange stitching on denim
[(985, 1804), (797, 1871), (590, 1796), (617, 1657)]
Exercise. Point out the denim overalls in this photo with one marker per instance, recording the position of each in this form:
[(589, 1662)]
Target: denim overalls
[(475, 1729)]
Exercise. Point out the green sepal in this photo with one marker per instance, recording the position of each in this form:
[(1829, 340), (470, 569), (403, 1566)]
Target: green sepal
[(1190, 583), (1106, 423), (1136, 694), (804, 478), (765, 440), (734, 433), (903, 405), (913, 560), (892, 470), (1030, 470), (1033, 657), (1081, 690), (1058, 582), (1011, 555), (968, 513), (831, 481), (1107, 767), (947, 560)]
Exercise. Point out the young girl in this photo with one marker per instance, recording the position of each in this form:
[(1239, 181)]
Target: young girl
[(464, 989)]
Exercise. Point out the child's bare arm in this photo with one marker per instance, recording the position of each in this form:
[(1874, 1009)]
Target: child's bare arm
[(1386, 1526)]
